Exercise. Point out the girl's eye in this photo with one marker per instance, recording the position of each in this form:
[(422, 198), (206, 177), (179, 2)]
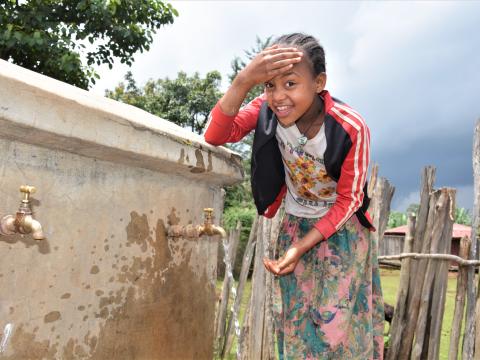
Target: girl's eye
[(268, 85), (290, 83)]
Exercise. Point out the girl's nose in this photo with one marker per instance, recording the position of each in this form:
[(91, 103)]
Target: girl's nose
[(278, 95)]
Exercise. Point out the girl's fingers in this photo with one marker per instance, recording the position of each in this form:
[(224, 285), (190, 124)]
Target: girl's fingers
[(274, 267), (282, 63), (268, 265), (283, 69), (284, 55), (287, 270), (275, 46), (278, 50)]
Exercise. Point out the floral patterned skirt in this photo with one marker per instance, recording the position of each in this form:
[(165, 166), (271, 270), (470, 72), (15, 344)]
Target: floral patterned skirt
[(331, 306)]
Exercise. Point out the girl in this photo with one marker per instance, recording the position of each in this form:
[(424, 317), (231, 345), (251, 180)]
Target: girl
[(312, 150)]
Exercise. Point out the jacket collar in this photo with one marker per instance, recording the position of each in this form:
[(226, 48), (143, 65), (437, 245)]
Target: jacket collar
[(327, 100)]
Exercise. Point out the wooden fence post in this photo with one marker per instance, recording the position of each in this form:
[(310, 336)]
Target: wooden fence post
[(246, 262), (372, 182), (443, 208), (398, 321), (441, 278), (459, 300), (469, 335), (428, 179), (380, 209), (423, 228), (257, 306), (268, 345), (259, 340)]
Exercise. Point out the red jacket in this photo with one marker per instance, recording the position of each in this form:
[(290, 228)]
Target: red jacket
[(346, 158)]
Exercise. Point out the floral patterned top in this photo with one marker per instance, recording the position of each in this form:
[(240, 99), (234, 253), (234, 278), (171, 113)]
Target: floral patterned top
[(311, 192)]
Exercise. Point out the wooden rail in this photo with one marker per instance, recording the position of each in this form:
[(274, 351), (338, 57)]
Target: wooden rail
[(457, 259)]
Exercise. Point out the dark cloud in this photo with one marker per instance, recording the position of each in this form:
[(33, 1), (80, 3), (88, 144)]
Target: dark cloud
[(416, 81)]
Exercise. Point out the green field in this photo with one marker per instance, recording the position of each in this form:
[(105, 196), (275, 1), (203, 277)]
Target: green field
[(390, 281)]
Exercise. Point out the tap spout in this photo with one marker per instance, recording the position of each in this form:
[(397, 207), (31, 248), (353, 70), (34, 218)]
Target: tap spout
[(213, 230), (34, 227)]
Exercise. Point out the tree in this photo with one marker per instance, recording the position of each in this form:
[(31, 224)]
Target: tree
[(51, 36), (396, 219), (413, 209), (462, 216), (186, 100)]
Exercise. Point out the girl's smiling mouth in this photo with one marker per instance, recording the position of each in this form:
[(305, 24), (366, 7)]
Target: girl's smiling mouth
[(283, 111)]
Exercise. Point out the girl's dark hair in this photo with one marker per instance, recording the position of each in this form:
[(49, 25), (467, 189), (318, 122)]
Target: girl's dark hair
[(309, 45)]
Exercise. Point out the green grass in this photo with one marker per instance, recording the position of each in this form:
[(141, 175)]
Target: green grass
[(390, 282)]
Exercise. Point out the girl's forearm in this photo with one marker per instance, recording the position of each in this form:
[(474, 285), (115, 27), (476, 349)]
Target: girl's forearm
[(232, 100), (312, 238)]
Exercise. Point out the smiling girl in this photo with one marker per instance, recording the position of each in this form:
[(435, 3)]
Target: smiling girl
[(313, 151)]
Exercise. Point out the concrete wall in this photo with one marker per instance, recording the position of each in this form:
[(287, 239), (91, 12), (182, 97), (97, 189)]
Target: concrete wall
[(107, 283)]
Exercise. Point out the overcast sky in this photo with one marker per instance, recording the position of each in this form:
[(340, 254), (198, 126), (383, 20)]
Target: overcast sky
[(412, 69)]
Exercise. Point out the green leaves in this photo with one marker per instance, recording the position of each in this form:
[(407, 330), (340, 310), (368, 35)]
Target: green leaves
[(186, 100), (49, 36)]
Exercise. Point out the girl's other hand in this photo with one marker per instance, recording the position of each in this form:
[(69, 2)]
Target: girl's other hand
[(272, 61), (286, 264)]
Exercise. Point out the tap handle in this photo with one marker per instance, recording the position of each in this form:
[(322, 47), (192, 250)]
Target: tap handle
[(27, 190), (208, 212)]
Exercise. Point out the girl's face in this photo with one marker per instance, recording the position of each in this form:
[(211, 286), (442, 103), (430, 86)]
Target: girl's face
[(291, 95)]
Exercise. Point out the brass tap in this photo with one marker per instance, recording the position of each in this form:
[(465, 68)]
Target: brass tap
[(208, 228), (23, 222), (195, 231)]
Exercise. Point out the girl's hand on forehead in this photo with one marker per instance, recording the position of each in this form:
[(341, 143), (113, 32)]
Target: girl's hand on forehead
[(271, 62)]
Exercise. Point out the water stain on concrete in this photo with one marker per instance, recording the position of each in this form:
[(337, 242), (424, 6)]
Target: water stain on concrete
[(154, 316), (210, 166), (52, 316), (26, 347), (94, 270), (138, 231), (65, 296), (172, 218), (200, 166), (181, 160)]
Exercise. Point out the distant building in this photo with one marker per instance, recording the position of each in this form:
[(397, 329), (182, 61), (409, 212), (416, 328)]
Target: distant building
[(393, 239)]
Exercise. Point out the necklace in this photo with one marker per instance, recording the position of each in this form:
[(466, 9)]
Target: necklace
[(302, 139)]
